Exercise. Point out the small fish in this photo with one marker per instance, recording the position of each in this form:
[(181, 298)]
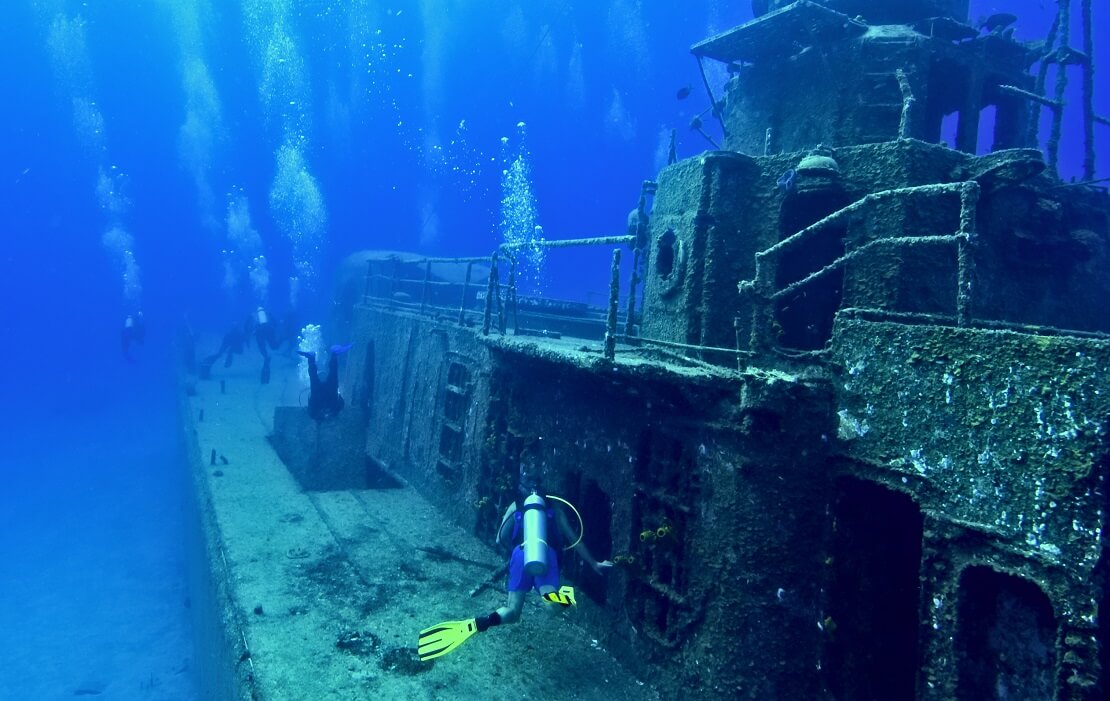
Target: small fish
[(997, 22), (683, 92)]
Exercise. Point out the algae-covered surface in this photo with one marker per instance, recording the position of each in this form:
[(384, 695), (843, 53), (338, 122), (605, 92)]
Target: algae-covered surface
[(1005, 428), (329, 590)]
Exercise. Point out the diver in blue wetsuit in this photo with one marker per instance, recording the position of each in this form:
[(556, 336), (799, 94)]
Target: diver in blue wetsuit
[(534, 533)]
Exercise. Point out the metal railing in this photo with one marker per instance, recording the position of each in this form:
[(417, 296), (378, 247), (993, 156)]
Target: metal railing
[(501, 304), (500, 301), (395, 282), (763, 292)]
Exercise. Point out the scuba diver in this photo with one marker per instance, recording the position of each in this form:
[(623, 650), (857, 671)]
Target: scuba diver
[(271, 335), (134, 331), (233, 343), (265, 337), (324, 401), (533, 533)]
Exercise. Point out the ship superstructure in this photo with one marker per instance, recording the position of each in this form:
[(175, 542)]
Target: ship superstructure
[(842, 423)]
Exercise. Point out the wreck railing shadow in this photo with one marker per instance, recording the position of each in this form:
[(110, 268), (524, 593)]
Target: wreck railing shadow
[(763, 290)]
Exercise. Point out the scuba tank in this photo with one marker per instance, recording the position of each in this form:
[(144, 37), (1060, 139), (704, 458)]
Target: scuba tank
[(261, 316), (535, 535)]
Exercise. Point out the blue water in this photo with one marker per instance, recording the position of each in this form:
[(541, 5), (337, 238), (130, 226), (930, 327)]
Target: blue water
[(354, 124)]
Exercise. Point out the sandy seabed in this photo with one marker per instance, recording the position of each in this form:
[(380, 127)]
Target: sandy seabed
[(93, 600)]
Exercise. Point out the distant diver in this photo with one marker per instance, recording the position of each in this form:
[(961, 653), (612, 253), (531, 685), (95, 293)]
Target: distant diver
[(133, 332), (267, 337), (533, 534), (263, 331), (324, 401), (233, 343)]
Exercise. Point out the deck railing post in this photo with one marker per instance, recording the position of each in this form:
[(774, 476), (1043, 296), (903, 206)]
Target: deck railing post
[(908, 100), (736, 326), (466, 288), (424, 291), (633, 282), (614, 306), (491, 290), (639, 253), (512, 294), (969, 199), (500, 305), (762, 336)]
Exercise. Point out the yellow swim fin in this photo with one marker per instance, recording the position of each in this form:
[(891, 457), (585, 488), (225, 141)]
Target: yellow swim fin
[(565, 596), (443, 638)]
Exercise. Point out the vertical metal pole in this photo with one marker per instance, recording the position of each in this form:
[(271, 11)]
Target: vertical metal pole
[(466, 288), (907, 103), (1042, 77), (512, 294), (614, 305), (969, 199), (762, 314), (634, 280), (736, 332), (1088, 93), (424, 291), (639, 253), (1053, 145), (500, 305), (491, 290)]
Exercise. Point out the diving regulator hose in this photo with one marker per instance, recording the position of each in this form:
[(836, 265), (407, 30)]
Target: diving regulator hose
[(581, 524)]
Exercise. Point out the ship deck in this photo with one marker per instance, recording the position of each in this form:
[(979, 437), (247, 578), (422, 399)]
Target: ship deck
[(321, 595)]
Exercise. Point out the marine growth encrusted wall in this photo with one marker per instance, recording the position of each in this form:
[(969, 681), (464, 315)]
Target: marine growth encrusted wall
[(852, 467), (1000, 440), (929, 500), (1006, 429), (695, 482)]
